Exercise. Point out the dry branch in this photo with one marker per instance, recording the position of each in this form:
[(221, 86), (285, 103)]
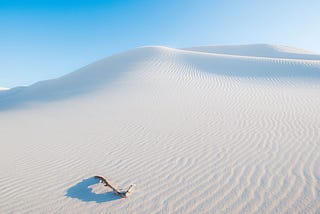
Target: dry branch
[(122, 194)]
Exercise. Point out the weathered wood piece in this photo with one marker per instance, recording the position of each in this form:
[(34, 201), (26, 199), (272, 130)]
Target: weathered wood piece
[(123, 194)]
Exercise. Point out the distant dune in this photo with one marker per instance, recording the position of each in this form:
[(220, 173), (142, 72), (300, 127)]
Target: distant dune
[(212, 129)]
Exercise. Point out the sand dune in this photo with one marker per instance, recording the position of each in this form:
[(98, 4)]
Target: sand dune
[(259, 50), (219, 129)]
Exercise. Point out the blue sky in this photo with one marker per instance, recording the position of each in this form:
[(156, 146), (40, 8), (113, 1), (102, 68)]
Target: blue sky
[(43, 39)]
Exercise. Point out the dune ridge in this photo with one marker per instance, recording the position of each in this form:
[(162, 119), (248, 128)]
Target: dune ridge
[(232, 129)]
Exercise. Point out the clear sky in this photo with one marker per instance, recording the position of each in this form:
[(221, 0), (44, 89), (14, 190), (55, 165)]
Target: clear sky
[(43, 39)]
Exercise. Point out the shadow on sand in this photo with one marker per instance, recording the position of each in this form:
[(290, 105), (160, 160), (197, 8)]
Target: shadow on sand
[(84, 193)]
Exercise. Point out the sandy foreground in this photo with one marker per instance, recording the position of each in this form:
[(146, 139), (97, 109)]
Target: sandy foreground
[(217, 129)]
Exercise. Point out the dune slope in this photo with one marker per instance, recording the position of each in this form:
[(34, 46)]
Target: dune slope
[(220, 129)]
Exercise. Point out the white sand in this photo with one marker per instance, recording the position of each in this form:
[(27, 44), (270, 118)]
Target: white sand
[(224, 129)]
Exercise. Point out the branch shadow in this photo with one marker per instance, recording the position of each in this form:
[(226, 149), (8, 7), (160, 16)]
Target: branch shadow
[(82, 192)]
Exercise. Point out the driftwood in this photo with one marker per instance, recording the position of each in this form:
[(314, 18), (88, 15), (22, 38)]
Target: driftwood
[(122, 194)]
